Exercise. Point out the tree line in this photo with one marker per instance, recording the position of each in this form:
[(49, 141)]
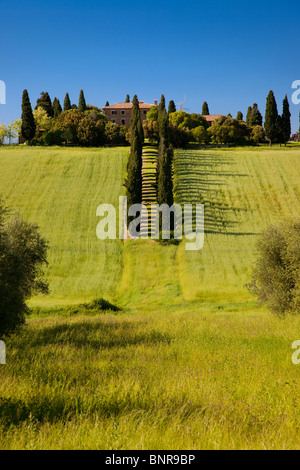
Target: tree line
[(83, 125), (164, 168), (50, 123), (185, 127)]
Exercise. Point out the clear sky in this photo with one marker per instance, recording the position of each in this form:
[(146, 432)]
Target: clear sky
[(227, 53)]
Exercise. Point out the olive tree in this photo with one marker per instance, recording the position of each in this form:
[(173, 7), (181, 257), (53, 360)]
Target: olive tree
[(276, 274), (23, 254)]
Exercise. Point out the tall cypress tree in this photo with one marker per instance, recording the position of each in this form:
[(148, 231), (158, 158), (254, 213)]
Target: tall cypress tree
[(171, 107), (107, 103), (165, 158), (134, 166), (162, 104), (205, 109), (162, 136), (248, 116), (239, 116), (67, 103), (256, 118), (57, 109), (45, 102), (81, 102), (127, 100), (279, 134), (286, 120), (28, 123), (271, 118)]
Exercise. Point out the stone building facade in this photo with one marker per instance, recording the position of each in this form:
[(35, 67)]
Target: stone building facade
[(120, 113)]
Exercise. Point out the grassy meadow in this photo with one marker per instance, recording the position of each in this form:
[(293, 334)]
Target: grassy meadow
[(190, 361), (60, 190)]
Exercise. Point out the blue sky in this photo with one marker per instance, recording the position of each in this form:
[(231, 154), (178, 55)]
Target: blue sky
[(227, 53)]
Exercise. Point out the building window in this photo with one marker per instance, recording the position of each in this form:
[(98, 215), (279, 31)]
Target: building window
[(114, 112), (145, 112), (113, 120), (123, 122), (122, 112)]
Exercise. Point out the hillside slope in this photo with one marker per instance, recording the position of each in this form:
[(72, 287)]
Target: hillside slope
[(60, 190), (243, 190)]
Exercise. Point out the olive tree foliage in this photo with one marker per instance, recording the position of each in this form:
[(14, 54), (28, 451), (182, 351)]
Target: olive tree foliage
[(276, 274), (43, 122), (23, 254), (227, 130)]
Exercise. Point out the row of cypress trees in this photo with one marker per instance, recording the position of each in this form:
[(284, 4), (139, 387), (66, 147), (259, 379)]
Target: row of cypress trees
[(164, 172), (134, 166), (277, 127), (53, 109), (164, 175)]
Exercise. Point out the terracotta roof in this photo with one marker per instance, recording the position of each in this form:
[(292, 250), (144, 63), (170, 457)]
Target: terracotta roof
[(128, 106), (212, 117)]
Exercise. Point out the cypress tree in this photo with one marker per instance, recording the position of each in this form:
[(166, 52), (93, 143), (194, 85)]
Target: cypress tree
[(134, 166), (205, 109), (127, 100), (171, 107), (256, 118), (81, 102), (162, 104), (271, 118), (57, 109), (279, 134), (67, 102), (248, 117), (107, 103), (28, 123), (165, 177), (165, 158), (45, 102), (239, 116), (286, 120), (162, 134)]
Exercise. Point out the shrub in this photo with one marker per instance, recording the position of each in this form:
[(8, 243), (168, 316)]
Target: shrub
[(227, 130), (67, 122), (179, 137), (114, 134), (53, 138), (22, 256), (257, 134), (88, 133), (200, 135), (276, 275), (152, 114), (186, 120), (150, 130)]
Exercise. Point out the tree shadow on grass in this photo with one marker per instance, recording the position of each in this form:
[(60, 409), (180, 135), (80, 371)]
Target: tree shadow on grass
[(201, 179), (44, 405), (98, 335)]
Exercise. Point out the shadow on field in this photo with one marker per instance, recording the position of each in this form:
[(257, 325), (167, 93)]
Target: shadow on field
[(201, 179), (45, 405), (97, 335)]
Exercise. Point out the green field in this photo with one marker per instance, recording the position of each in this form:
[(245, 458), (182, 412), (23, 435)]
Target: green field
[(191, 361), (60, 190)]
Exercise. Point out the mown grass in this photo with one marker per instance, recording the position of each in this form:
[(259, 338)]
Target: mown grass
[(243, 190), (190, 361)]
